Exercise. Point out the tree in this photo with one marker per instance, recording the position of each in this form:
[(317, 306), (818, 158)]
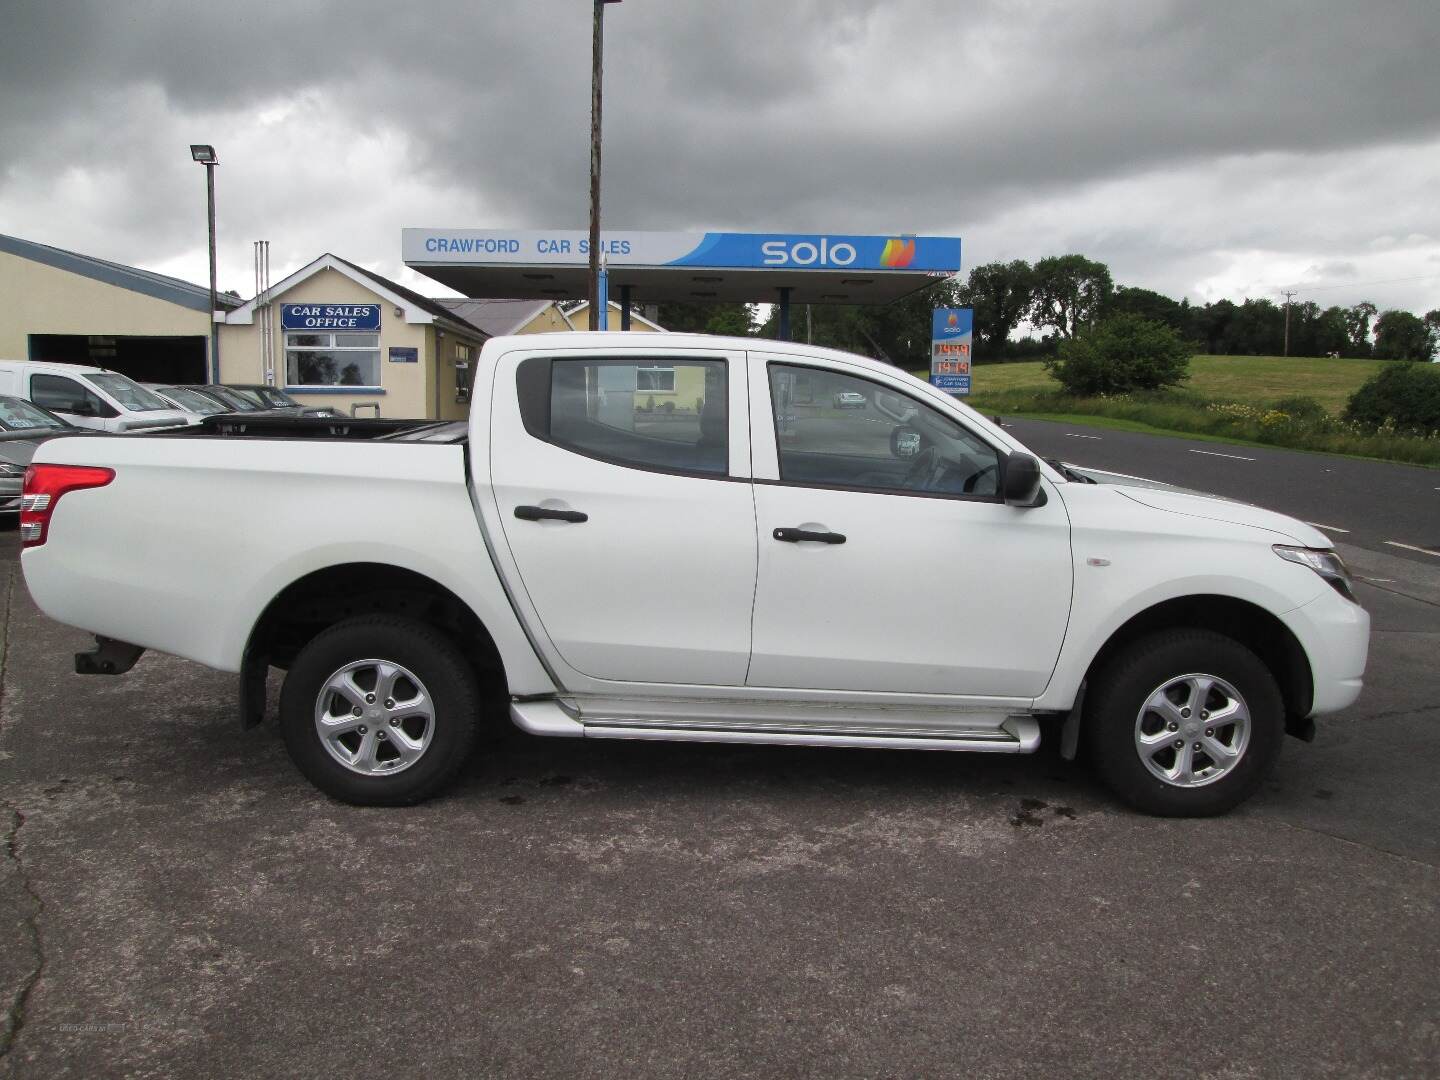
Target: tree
[(734, 320), (1120, 354), (1357, 325), (1212, 326), (1155, 306), (1331, 334), (1399, 335), (1406, 396), (1257, 329), (1001, 294), (1070, 292), (897, 333)]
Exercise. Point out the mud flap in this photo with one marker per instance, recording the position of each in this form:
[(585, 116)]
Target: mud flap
[(253, 670), (1070, 733)]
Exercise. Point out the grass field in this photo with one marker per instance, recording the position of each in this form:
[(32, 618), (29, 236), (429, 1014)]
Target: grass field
[(1226, 398), (1253, 380)]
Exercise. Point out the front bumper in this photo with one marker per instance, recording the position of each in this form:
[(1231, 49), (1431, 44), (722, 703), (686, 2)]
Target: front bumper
[(1335, 635)]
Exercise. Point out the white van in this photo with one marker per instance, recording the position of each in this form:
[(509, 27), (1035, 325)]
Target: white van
[(89, 397)]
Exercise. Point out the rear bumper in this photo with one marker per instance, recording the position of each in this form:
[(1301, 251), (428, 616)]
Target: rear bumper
[(1335, 635)]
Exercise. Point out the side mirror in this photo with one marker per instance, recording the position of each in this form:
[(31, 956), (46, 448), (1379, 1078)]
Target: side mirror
[(1022, 480), (905, 442)]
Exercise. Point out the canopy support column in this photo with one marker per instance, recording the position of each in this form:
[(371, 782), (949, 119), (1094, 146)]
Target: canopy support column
[(784, 291)]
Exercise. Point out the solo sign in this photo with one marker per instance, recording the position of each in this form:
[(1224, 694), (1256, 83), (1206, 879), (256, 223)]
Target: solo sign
[(365, 317), (950, 341)]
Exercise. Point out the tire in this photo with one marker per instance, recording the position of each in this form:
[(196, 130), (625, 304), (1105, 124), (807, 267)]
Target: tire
[(407, 753), (1151, 685)]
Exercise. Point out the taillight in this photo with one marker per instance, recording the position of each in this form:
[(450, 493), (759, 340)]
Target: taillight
[(44, 484)]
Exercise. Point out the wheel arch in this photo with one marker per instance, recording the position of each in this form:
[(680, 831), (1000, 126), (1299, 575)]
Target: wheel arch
[(1251, 625), (320, 599)]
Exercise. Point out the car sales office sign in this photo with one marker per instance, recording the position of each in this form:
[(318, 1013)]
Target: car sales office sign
[(950, 338), (364, 317)]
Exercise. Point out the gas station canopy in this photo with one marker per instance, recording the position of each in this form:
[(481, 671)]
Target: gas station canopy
[(666, 267)]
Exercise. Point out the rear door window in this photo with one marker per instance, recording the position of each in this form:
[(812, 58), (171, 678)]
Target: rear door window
[(660, 414)]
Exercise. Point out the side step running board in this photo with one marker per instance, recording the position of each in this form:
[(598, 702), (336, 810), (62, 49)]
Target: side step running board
[(1016, 735)]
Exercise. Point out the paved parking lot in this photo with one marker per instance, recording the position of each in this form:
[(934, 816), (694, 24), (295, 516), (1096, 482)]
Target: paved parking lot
[(176, 900)]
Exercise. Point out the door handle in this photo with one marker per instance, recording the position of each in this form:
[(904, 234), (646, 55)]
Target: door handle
[(542, 513), (802, 536)]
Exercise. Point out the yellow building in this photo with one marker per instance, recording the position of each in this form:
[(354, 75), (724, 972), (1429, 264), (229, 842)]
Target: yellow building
[(336, 334), (70, 308), (332, 333)]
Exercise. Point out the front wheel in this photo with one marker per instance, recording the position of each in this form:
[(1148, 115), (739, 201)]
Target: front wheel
[(379, 710), (1184, 723)]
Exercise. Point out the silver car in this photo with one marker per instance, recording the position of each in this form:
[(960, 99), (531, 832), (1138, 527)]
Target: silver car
[(194, 404), (23, 427)]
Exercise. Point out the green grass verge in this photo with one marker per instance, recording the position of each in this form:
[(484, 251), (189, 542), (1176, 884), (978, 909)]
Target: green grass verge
[(1253, 380), (1228, 399)]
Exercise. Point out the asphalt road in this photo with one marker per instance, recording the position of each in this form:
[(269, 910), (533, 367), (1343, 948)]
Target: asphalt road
[(1368, 504), (175, 900)]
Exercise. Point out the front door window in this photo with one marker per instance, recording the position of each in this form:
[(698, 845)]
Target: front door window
[(837, 430)]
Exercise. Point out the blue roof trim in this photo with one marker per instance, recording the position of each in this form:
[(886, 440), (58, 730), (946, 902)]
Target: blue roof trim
[(144, 282)]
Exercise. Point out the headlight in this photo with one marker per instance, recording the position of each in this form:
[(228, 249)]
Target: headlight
[(1325, 563)]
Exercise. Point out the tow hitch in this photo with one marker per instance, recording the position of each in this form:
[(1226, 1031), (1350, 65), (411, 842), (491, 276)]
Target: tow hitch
[(109, 657)]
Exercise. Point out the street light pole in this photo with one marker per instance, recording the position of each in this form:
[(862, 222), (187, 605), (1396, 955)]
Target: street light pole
[(596, 58), (205, 154)]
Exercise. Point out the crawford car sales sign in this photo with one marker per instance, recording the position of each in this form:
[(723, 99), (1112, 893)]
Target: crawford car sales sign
[(330, 317)]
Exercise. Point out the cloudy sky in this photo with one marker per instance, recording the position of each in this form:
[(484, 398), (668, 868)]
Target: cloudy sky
[(1201, 149)]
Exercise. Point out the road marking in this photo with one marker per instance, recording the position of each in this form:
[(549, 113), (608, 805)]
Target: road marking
[(1327, 528), (1211, 453), (1378, 580), (1412, 547), (1072, 435)]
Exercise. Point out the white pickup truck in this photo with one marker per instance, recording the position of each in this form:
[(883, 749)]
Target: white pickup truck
[(670, 536)]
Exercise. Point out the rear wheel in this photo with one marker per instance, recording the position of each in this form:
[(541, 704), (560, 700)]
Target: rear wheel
[(1185, 723), (379, 711)]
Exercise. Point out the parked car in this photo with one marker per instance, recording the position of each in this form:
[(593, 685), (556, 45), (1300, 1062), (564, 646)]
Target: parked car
[(234, 401), (847, 399), (23, 427), (909, 578), (88, 397), (271, 397), (195, 405)]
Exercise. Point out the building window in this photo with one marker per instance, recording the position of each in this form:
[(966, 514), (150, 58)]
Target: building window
[(332, 359), (464, 371), (657, 380)]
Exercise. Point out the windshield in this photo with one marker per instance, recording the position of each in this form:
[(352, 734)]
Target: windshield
[(230, 399), (128, 392), (17, 414), (271, 397), (193, 400)]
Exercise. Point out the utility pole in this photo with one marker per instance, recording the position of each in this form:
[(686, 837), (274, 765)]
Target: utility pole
[(596, 58), (1289, 295)]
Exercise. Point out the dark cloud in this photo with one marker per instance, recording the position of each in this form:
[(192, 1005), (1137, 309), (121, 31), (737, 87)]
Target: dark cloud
[(337, 117)]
